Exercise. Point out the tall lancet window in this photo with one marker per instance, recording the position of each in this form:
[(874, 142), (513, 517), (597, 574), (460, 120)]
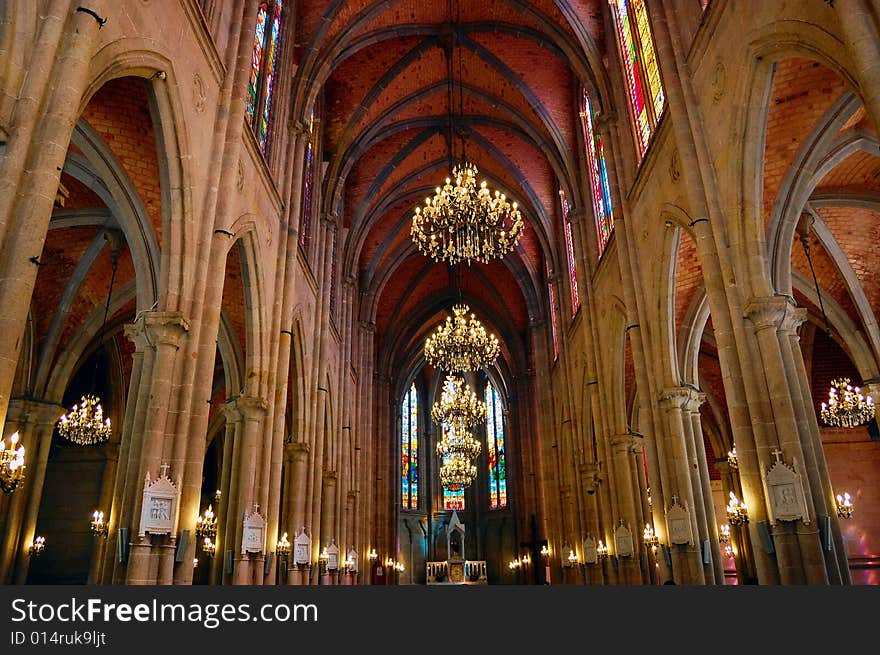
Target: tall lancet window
[(640, 69), (599, 186), (569, 251), (495, 449), (267, 42), (409, 450), (309, 172)]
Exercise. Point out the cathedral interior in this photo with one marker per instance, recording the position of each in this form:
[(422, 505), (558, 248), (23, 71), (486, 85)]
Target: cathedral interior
[(384, 292)]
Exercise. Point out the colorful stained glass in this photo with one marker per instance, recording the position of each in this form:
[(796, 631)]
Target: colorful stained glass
[(601, 189), (256, 64), (553, 320), (453, 499), (306, 220), (641, 71), (569, 249), (409, 450), (649, 57), (269, 75), (495, 443)]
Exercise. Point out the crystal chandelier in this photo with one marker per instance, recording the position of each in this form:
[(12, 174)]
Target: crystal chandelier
[(846, 406), (461, 344), (458, 442), (11, 464), (464, 222), (737, 513), (458, 404), (85, 424), (844, 505), (206, 525), (457, 472)]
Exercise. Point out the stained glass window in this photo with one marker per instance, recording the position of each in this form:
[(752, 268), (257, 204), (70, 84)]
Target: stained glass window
[(264, 56), (495, 447), (569, 249), (641, 71), (600, 188), (409, 450), (553, 320), (306, 221), (453, 499)]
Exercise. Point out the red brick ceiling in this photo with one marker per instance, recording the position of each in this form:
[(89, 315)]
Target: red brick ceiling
[(387, 110)]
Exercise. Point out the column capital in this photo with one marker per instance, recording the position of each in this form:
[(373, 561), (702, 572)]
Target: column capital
[(768, 311), (297, 450), (694, 401), (367, 326), (329, 477), (251, 408), (674, 397), (577, 215), (602, 122), (152, 328), (623, 442), (330, 219)]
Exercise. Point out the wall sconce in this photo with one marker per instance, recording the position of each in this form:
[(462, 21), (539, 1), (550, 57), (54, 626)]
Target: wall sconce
[(283, 547), (731, 458), (729, 552), (209, 547), (217, 495), (373, 555), (97, 526), (11, 464), (195, 562), (514, 564), (526, 560), (545, 552), (844, 505), (572, 558), (398, 566), (737, 513), (649, 537), (602, 550), (206, 525), (37, 546), (724, 533)]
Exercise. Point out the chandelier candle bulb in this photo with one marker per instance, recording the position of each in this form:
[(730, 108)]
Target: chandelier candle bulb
[(847, 407), (461, 344), (11, 464)]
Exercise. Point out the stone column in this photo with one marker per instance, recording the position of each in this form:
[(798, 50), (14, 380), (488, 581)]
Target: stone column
[(248, 569), (328, 514), (299, 454), (35, 421), (29, 175), (858, 26), (111, 451), (222, 512), (705, 508), (163, 331), (622, 446), (796, 551), (686, 561)]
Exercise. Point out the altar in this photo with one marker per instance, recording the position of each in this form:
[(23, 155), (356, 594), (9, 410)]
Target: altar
[(456, 570)]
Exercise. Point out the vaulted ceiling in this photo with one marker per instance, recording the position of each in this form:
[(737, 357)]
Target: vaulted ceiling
[(396, 81)]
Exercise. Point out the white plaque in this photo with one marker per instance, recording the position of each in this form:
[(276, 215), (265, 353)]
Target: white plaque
[(302, 547), (591, 555), (678, 522), (785, 489), (160, 505), (333, 557), (253, 537), (623, 541)]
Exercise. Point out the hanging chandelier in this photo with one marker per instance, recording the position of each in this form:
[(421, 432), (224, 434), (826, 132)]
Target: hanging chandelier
[(85, 424), (458, 442), (847, 407), (461, 344), (457, 473), (464, 221), (11, 464), (458, 404)]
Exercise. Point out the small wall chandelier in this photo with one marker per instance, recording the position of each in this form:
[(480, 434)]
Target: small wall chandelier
[(11, 464), (737, 513), (731, 458), (38, 545), (206, 525), (844, 505), (461, 344), (649, 537), (724, 533), (458, 404), (847, 407), (85, 424), (464, 222), (209, 547), (97, 526), (283, 546)]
